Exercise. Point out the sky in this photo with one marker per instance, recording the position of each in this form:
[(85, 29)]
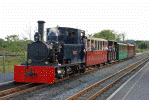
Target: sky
[(128, 17)]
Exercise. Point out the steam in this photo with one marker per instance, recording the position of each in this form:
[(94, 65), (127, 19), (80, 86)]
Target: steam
[(55, 30)]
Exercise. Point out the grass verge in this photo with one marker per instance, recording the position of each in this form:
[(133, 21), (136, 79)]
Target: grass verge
[(10, 62)]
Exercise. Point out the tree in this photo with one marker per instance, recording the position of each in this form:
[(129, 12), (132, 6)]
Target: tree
[(12, 43), (123, 36), (118, 38), (105, 34), (90, 35), (12, 38), (143, 45), (1, 41)]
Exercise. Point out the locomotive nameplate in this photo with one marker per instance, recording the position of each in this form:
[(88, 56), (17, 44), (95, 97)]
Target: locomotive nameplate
[(74, 52)]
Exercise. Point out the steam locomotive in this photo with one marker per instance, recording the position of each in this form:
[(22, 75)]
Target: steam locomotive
[(62, 55), (59, 56)]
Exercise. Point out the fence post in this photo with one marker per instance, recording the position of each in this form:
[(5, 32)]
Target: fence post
[(3, 63)]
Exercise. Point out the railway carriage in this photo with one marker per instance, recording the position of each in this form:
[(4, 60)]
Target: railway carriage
[(122, 51), (112, 50), (131, 50), (98, 55)]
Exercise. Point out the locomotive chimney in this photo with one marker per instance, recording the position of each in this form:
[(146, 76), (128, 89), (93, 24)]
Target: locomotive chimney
[(41, 29)]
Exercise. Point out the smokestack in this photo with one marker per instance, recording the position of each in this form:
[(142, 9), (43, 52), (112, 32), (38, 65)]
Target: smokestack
[(41, 29)]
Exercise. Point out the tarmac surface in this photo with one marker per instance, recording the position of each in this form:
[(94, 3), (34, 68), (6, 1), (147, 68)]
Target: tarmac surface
[(136, 88), (6, 77)]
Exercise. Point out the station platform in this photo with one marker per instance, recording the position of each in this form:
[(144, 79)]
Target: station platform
[(6, 77), (135, 88)]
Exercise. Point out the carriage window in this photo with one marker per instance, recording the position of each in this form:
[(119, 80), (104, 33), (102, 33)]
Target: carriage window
[(105, 46), (92, 42), (101, 45), (96, 45), (72, 33), (88, 45)]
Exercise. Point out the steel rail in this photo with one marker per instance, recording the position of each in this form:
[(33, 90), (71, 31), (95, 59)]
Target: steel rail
[(98, 83), (8, 91)]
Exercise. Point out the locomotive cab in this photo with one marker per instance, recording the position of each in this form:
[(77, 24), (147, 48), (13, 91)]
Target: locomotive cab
[(52, 36)]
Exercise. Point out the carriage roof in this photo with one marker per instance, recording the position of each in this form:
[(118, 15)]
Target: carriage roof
[(122, 43), (130, 44), (98, 39)]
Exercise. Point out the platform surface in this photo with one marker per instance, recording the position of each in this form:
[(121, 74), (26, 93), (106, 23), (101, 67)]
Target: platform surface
[(6, 77), (136, 88)]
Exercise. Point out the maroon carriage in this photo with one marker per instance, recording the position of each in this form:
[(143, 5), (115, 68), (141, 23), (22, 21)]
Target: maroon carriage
[(96, 51), (112, 49), (131, 50)]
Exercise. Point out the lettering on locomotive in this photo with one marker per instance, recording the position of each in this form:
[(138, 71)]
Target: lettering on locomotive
[(74, 52)]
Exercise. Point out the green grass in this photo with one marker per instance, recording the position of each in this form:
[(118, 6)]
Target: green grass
[(10, 62), (11, 53), (142, 50)]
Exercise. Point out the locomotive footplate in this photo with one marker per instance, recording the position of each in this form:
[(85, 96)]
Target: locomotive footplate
[(34, 74)]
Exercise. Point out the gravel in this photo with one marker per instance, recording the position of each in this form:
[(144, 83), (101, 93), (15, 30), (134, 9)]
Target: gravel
[(74, 85)]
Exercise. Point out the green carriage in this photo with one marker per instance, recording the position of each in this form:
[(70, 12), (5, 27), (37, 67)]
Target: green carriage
[(122, 51)]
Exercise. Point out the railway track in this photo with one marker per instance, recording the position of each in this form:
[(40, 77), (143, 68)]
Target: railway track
[(98, 88), (12, 92)]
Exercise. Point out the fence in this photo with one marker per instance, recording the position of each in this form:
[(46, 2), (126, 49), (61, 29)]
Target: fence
[(8, 61)]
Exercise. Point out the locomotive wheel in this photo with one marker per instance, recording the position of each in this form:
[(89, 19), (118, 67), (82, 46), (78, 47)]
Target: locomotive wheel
[(98, 65), (82, 69)]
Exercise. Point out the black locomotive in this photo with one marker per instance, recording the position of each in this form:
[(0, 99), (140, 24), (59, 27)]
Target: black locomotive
[(61, 49)]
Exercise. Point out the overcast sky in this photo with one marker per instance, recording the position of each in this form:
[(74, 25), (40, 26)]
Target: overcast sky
[(131, 18)]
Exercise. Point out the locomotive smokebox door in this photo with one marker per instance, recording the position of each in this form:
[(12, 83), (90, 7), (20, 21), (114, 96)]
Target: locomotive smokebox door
[(38, 51)]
